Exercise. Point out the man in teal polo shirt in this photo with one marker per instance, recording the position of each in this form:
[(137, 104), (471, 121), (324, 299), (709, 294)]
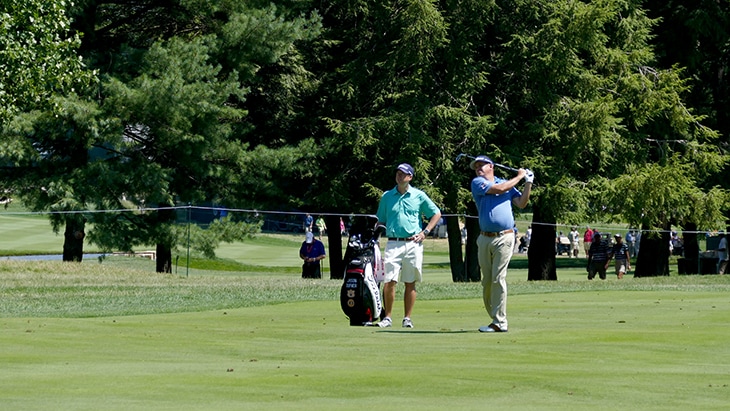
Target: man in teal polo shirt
[(401, 210), (494, 198)]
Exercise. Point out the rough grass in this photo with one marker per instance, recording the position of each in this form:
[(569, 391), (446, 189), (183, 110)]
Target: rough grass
[(56, 289)]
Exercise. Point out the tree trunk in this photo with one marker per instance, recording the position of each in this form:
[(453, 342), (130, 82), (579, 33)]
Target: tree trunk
[(471, 261), (334, 255), (653, 258), (456, 256), (73, 239), (541, 253), (164, 259), (691, 248), (463, 258), (164, 250)]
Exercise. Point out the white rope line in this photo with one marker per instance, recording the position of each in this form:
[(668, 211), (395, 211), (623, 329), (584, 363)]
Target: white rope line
[(258, 212)]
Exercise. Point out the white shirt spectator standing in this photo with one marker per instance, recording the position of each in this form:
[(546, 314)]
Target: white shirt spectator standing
[(574, 237)]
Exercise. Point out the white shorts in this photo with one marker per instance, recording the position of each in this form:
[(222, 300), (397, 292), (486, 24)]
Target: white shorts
[(403, 260)]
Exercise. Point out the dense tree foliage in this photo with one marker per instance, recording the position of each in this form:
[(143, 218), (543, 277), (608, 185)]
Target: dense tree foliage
[(175, 76), (182, 105), (596, 113), (37, 55), (310, 105), (569, 89), (695, 35), (42, 71)]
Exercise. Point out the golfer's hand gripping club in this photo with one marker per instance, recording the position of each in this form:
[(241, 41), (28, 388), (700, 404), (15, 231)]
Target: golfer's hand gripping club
[(529, 176)]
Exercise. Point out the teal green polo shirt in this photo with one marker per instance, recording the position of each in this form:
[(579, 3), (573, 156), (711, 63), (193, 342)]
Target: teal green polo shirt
[(401, 214)]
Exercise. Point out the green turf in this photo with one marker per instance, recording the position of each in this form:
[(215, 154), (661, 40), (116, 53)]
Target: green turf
[(272, 341), (248, 333), (31, 234), (606, 350)]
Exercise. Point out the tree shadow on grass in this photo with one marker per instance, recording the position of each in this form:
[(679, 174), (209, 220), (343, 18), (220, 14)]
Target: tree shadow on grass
[(522, 263), (441, 331)]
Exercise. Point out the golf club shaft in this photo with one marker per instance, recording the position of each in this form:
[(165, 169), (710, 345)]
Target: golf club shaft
[(505, 167), (459, 157)]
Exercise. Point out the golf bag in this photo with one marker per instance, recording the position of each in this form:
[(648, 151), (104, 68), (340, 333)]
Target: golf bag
[(360, 293)]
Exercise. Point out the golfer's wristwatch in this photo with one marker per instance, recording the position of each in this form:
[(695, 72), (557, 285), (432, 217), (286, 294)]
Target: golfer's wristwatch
[(426, 231)]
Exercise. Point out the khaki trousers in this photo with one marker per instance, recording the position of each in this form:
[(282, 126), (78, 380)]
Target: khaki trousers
[(495, 254)]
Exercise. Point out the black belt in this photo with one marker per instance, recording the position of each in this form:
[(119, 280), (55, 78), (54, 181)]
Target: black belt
[(400, 239), (498, 233)]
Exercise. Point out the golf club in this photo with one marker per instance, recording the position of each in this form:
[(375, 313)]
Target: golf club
[(462, 155)]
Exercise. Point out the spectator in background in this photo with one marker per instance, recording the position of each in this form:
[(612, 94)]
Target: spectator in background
[(574, 237), (722, 253), (620, 252), (597, 257), (342, 227), (312, 252), (630, 240), (308, 222), (562, 244), (587, 239), (436, 231), (321, 226), (677, 244), (523, 244)]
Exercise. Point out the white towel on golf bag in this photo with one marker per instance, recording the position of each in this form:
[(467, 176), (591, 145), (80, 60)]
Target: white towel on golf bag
[(369, 281), (379, 271)]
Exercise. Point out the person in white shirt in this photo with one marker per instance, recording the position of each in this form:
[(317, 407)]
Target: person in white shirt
[(574, 237)]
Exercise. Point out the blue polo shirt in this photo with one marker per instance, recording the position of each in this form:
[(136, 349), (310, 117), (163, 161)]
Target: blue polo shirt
[(599, 251), (618, 251), (401, 213), (495, 210), (312, 250)]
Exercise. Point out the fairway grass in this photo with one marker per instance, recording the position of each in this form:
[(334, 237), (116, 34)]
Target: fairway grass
[(606, 350), (92, 336), (245, 332)]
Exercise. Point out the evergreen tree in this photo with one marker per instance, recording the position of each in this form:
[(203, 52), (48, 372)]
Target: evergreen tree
[(175, 76), (579, 100), (695, 35), (40, 67), (567, 88)]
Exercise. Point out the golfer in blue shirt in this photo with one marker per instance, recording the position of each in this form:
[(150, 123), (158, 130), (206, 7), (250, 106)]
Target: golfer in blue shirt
[(494, 199)]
